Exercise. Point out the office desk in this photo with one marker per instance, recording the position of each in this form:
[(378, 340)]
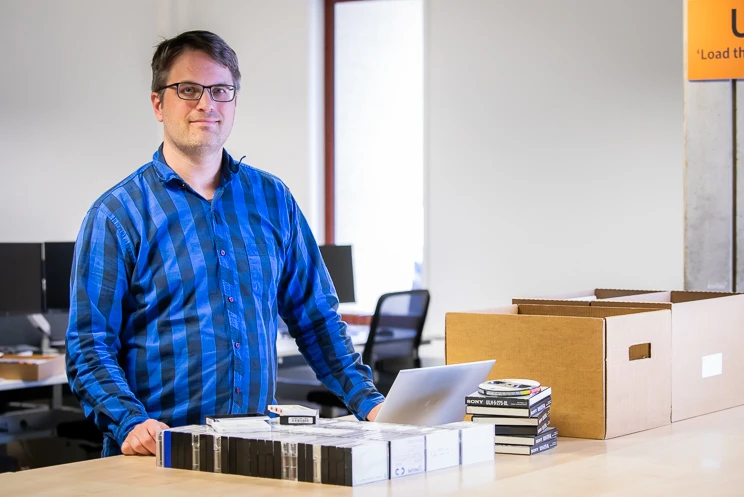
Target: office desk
[(287, 347), (36, 421), (697, 457), (288, 354), (54, 381)]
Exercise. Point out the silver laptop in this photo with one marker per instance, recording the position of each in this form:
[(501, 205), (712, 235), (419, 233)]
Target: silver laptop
[(433, 396)]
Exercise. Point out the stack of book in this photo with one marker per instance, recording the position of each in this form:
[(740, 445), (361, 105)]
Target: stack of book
[(521, 422)]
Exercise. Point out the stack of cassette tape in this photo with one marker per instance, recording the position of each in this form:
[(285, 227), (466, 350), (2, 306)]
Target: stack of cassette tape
[(328, 451), (518, 410)]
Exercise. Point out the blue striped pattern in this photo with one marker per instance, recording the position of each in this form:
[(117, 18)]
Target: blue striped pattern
[(174, 302)]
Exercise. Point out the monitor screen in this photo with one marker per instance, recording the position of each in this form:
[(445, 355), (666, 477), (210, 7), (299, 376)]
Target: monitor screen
[(338, 260), (57, 268), (20, 278)]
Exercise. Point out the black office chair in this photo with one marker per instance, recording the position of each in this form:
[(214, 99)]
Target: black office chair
[(393, 341)]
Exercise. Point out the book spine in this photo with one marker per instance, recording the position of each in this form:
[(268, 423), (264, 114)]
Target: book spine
[(497, 402), (547, 436), (543, 446), (522, 430), (539, 408), (533, 412), (544, 419)]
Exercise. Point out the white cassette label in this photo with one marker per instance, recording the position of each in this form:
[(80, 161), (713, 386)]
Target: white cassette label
[(712, 365), (300, 420)]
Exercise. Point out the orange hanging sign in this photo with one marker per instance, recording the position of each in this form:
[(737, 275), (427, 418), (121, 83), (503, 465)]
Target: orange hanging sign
[(715, 39)]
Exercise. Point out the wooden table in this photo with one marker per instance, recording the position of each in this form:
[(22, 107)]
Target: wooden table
[(700, 457)]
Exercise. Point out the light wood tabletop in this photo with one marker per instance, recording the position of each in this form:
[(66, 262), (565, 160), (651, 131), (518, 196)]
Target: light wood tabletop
[(702, 456)]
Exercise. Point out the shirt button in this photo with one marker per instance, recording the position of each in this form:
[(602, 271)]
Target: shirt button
[(231, 299), (237, 389), (237, 345), (222, 252)]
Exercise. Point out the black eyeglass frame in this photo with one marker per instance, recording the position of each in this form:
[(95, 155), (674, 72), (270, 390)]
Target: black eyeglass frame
[(201, 93)]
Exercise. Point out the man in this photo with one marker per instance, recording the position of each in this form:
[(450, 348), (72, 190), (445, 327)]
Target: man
[(181, 269)]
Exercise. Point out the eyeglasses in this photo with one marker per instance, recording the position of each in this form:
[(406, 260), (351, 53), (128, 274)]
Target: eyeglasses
[(194, 91)]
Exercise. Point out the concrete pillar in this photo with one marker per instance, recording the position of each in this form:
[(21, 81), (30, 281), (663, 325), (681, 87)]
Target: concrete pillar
[(709, 206), (739, 198)]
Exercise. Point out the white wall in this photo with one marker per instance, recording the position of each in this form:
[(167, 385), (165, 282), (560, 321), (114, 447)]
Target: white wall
[(75, 115), (554, 148), (278, 125)]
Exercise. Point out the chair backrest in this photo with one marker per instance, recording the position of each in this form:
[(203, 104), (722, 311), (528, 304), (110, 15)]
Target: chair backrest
[(399, 313)]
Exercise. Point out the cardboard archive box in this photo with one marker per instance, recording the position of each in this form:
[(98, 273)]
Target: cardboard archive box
[(707, 348), (31, 368), (707, 342), (609, 368), (583, 297)]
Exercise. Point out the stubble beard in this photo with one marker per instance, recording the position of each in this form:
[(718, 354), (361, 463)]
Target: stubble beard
[(199, 143)]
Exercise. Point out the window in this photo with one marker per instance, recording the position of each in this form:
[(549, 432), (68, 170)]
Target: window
[(377, 144)]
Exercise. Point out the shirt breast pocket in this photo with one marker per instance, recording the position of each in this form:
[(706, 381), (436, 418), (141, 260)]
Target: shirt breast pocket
[(264, 263)]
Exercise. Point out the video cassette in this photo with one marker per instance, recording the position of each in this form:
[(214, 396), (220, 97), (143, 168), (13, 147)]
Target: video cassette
[(295, 414), (442, 447), (233, 423), (180, 449), (292, 458), (292, 410), (360, 461), (268, 454), (206, 452), (407, 451), (322, 469), (476, 441), (242, 458)]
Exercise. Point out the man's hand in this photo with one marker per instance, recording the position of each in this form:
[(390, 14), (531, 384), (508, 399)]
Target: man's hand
[(141, 440), (373, 413)]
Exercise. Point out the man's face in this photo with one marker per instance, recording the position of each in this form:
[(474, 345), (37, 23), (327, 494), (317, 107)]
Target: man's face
[(199, 126)]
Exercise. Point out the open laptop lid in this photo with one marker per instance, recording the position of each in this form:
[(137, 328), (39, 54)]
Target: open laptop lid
[(433, 396)]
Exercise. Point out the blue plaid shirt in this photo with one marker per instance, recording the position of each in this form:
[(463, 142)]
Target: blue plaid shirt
[(174, 302)]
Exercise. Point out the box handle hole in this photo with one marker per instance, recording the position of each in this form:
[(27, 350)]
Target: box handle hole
[(639, 351)]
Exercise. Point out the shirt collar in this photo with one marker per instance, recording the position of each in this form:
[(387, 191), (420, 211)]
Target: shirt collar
[(230, 167)]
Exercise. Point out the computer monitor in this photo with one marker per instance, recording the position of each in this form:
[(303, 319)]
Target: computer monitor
[(20, 278), (57, 268), (340, 266)]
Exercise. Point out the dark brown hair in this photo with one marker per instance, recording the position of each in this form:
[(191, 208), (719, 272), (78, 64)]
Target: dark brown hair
[(203, 41)]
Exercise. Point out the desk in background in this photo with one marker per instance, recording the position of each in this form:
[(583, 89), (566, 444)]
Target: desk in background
[(55, 381), (289, 355), (29, 421), (39, 421)]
